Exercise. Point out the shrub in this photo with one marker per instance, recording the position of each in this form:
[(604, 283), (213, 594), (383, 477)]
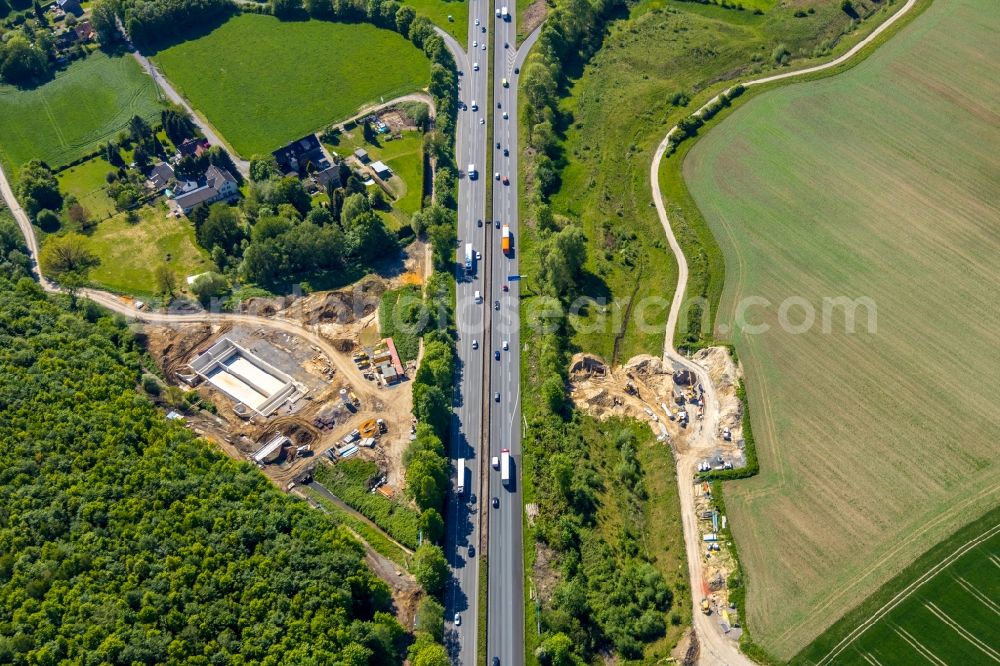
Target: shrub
[(47, 220)]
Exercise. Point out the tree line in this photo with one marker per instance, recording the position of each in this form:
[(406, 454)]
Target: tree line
[(610, 596), (149, 22)]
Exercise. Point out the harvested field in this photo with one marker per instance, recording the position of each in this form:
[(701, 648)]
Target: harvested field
[(880, 183)]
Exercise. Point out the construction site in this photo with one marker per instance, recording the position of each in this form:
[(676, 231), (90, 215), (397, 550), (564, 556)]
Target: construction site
[(672, 401), (320, 381), (668, 398)]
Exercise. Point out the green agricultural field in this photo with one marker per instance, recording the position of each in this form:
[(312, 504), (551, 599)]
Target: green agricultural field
[(88, 183), (68, 117), (405, 157), (262, 82), (882, 184), (130, 253), (438, 12), (620, 108), (942, 609)]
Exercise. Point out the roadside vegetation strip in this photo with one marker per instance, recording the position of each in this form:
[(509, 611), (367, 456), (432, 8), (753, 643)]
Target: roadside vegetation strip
[(858, 243), (349, 479), (375, 537), (68, 117), (894, 607), (438, 12), (250, 80)]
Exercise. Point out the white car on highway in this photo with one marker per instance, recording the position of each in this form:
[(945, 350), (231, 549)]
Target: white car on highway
[(505, 345), (475, 67), (477, 21), (458, 620)]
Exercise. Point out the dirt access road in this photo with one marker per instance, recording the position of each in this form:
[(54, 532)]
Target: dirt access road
[(715, 647)]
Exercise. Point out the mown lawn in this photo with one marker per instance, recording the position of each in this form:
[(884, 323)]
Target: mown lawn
[(263, 82), (87, 182), (880, 184), (130, 253), (405, 157), (86, 104)]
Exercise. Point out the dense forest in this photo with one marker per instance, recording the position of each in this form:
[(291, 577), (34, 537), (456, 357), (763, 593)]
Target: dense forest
[(123, 539)]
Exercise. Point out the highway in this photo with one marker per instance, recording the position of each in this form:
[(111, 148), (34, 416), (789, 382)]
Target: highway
[(505, 614), (462, 529)]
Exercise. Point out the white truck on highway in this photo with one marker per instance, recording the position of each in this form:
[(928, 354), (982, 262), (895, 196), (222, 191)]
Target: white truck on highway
[(505, 467), (504, 14), (472, 172), (470, 257), (460, 476)]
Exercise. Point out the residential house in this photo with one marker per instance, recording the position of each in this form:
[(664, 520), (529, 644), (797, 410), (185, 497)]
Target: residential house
[(362, 155), (193, 147), (70, 6), (84, 31), (159, 177), (327, 178), (297, 155), (216, 185)]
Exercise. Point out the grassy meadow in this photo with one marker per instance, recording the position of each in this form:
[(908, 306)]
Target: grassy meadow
[(620, 108), (64, 119), (263, 82), (913, 618), (879, 183), (130, 253), (88, 182)]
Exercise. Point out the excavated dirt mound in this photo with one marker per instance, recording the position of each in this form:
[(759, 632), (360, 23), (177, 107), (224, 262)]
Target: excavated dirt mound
[(173, 346), (342, 307), (725, 376)]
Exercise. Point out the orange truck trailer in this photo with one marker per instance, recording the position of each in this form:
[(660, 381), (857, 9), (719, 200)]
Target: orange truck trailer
[(505, 243)]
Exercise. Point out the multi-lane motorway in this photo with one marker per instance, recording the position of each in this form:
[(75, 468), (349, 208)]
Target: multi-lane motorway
[(462, 530), (505, 614), (487, 399)]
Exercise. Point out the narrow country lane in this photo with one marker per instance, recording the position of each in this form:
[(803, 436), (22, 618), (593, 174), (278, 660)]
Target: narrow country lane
[(715, 647)]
